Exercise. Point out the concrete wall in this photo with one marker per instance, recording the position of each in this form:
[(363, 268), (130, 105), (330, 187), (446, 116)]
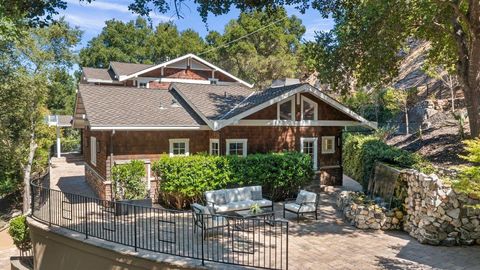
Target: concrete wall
[(56, 248)]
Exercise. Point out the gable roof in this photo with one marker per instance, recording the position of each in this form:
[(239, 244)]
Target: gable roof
[(212, 101), (181, 58), (125, 69), (209, 101), (98, 74), (113, 107)]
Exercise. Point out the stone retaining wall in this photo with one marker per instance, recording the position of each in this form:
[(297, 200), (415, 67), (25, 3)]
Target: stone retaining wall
[(368, 216), (434, 213)]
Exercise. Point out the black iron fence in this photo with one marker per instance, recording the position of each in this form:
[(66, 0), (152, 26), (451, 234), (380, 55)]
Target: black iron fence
[(253, 242)]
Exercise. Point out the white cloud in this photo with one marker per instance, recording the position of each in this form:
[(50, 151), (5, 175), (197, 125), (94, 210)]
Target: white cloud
[(115, 7), (85, 23), (101, 5), (320, 25)]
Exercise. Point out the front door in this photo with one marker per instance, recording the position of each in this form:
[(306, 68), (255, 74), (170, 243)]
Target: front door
[(310, 146)]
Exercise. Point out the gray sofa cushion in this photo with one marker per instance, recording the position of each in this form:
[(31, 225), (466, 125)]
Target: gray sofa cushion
[(305, 197), (216, 196), (237, 198), (256, 195)]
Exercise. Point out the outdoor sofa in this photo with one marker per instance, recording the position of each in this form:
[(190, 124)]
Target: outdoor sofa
[(236, 199)]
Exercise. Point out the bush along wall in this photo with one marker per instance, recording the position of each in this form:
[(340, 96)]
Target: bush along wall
[(360, 152), (183, 180)]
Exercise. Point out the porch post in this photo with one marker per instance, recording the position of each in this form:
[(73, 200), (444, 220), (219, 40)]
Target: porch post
[(59, 151), (149, 185)]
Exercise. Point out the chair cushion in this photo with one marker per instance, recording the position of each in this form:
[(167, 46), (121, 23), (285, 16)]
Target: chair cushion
[(306, 197), (238, 194), (305, 208)]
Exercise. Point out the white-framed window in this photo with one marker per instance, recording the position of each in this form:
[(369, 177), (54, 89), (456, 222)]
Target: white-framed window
[(237, 147), (93, 150), (310, 146), (328, 144), (309, 109), (179, 147), (214, 147), (286, 109)]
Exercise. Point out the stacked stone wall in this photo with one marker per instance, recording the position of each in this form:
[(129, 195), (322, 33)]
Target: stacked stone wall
[(434, 213)]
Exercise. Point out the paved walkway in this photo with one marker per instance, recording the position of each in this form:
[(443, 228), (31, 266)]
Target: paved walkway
[(329, 243), (7, 249), (68, 175)]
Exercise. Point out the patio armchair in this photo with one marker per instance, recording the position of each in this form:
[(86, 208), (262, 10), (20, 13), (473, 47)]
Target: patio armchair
[(206, 221), (305, 203)]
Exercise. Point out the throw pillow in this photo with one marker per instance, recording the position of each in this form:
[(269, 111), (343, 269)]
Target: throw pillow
[(219, 198), (256, 195)]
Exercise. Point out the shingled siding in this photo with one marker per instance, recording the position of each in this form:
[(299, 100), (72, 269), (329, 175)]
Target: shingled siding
[(277, 139), (325, 111)]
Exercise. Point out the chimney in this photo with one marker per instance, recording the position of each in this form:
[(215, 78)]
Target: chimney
[(284, 82)]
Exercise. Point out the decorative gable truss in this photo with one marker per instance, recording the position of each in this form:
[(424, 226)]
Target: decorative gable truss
[(204, 72), (260, 100)]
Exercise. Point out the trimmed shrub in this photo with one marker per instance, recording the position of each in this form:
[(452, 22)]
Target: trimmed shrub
[(20, 233), (128, 183), (183, 180), (360, 152)]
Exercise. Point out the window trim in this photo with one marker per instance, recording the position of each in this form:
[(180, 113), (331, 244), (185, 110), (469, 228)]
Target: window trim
[(210, 146), (229, 141), (292, 99), (93, 150), (315, 149), (326, 151), (315, 107), (183, 140)]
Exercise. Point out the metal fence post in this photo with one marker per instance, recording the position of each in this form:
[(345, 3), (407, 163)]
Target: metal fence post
[(203, 231), (49, 208), (32, 191), (135, 225), (86, 216)]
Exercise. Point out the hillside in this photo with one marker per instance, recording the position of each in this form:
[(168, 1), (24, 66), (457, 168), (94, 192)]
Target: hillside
[(435, 131)]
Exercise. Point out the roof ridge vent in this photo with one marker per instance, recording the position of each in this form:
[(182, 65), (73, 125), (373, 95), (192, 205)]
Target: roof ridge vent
[(284, 82)]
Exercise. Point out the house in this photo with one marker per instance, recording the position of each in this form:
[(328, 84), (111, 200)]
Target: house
[(188, 105)]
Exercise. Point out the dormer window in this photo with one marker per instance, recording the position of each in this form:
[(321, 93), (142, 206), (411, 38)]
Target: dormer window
[(309, 109), (286, 109), (142, 85)]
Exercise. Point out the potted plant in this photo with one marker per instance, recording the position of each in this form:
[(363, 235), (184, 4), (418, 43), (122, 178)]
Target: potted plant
[(255, 209), (129, 186)]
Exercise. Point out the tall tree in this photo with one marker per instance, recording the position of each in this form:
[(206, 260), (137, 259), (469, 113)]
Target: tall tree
[(137, 42), (26, 76), (269, 53), (363, 48)]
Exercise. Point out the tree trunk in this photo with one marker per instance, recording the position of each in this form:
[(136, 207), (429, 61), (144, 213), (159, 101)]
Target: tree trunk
[(407, 124), (26, 173)]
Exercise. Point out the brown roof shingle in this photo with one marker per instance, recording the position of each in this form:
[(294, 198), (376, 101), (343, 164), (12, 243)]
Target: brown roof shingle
[(123, 69), (98, 74), (135, 107), (213, 101)]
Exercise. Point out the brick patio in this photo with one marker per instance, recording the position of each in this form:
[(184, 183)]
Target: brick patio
[(330, 243)]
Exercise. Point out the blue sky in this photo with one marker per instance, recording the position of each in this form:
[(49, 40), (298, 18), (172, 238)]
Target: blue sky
[(91, 17)]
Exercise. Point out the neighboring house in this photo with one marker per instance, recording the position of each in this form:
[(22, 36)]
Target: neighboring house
[(187, 106)]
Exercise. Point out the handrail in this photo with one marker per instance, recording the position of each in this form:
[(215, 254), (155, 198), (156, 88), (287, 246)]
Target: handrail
[(253, 242)]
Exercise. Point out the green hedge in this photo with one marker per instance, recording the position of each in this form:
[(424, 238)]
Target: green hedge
[(360, 152), (20, 233), (183, 180), (128, 181)]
